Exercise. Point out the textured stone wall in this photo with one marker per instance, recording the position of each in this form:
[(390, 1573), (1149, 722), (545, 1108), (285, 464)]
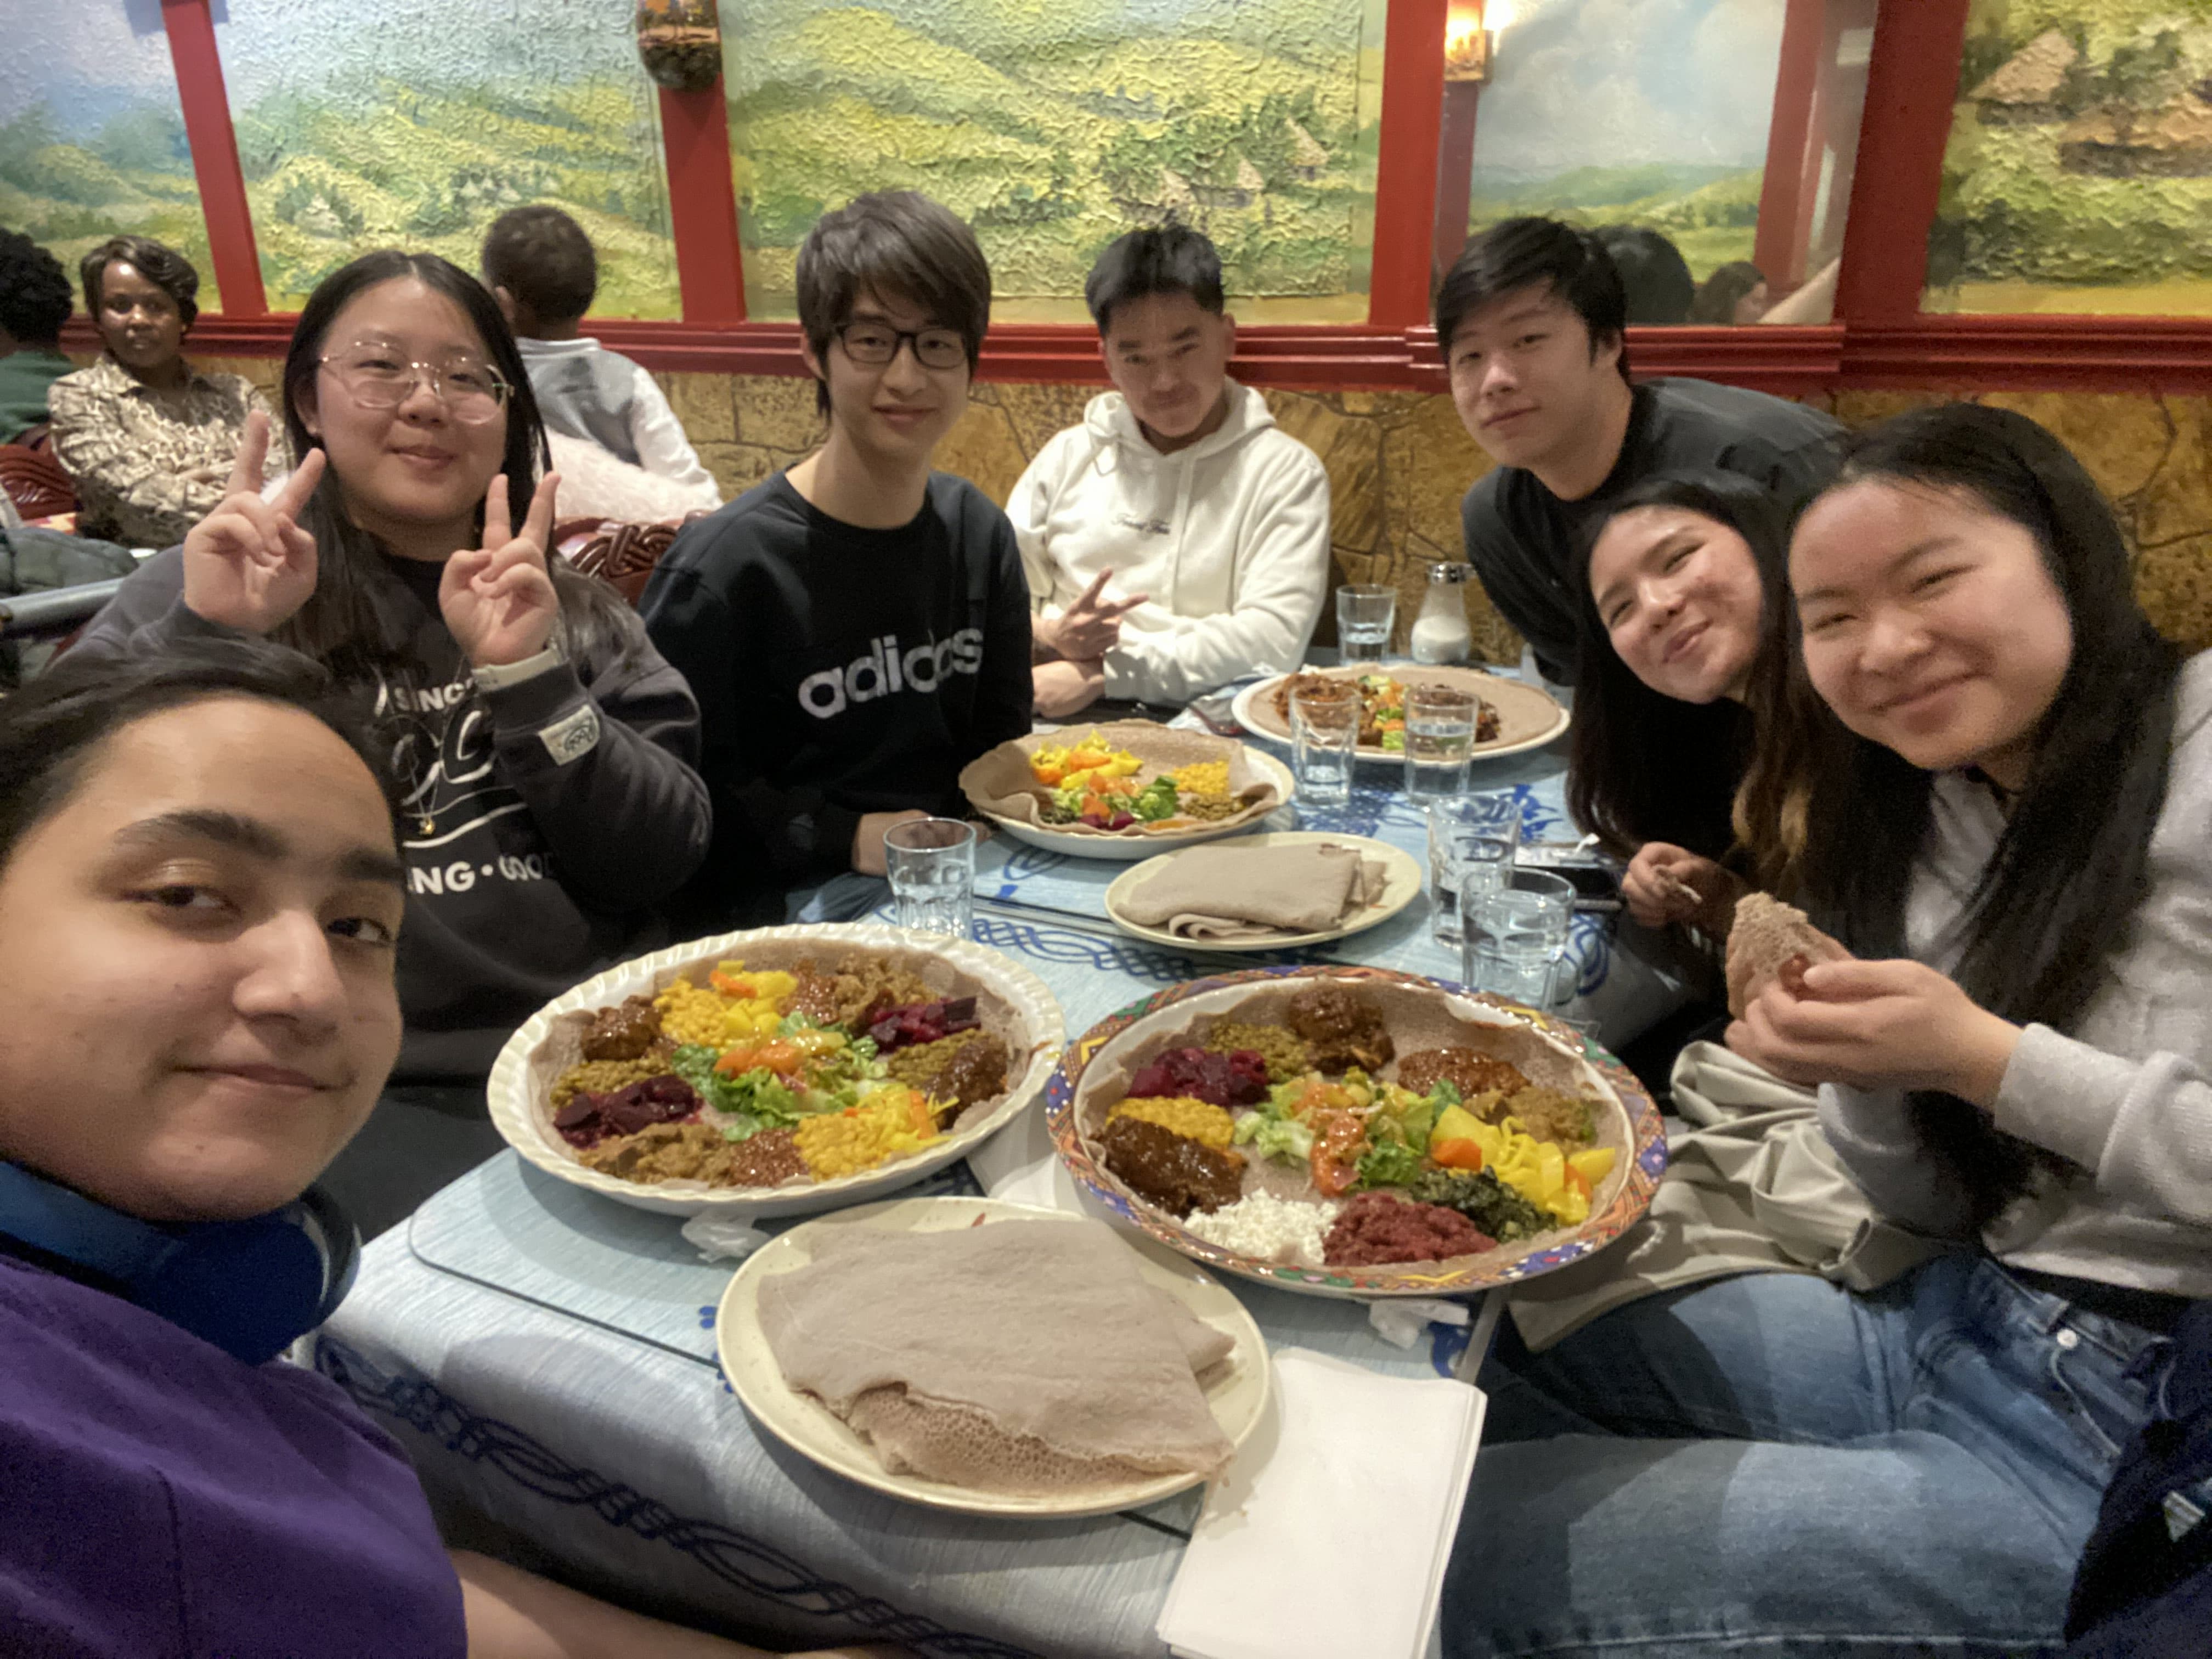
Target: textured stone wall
[(1398, 462)]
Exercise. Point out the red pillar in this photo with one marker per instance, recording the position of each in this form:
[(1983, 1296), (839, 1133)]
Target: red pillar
[(1455, 171), (1406, 162), (702, 205), (1785, 199), (200, 90), (1912, 84)]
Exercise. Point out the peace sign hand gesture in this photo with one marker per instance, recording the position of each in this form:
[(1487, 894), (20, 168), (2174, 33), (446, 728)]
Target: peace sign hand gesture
[(498, 600), (248, 564)]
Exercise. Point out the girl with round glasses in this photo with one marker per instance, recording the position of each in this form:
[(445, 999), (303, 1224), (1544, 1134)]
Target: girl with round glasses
[(541, 747)]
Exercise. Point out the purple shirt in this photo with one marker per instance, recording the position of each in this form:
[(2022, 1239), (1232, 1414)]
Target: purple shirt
[(159, 1498)]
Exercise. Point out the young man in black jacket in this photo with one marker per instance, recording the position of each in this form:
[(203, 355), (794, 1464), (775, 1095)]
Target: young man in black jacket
[(1529, 319), (857, 627)]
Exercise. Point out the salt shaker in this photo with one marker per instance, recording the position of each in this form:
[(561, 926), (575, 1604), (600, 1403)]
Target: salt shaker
[(1440, 633)]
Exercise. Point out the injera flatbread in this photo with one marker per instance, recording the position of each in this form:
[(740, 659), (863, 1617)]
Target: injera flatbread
[(1237, 891), (1018, 1356), (998, 781), (1764, 939)]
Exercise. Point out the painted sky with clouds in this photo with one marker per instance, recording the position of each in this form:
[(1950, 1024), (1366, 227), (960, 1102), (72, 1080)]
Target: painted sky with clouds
[(1616, 82)]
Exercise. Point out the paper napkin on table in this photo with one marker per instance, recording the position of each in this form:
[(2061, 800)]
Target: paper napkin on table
[(1327, 1538)]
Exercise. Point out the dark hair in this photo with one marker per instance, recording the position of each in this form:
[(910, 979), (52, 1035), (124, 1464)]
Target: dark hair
[(164, 267), (34, 291), (542, 256), (2059, 893), (897, 245), (51, 729), (339, 625), (1718, 299), (1644, 766), (1653, 275), (1573, 265), (1157, 259)]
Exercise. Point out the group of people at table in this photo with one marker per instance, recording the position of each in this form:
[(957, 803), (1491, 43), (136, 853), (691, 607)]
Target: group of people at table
[(349, 782)]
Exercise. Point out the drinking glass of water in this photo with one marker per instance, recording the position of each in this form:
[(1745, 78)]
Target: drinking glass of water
[(932, 865), (1494, 815), (1469, 863), (1365, 612), (1439, 740), (1515, 934), (1324, 735)]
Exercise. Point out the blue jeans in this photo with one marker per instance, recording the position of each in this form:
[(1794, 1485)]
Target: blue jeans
[(847, 897), (1771, 1466)]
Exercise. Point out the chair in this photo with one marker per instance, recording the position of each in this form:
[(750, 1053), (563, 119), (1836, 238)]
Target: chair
[(623, 555), (35, 481)]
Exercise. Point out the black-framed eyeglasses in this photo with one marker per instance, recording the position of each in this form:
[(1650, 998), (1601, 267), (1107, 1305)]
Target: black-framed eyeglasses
[(877, 344), (377, 377)]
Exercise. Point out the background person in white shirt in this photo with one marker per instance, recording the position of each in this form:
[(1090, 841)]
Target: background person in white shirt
[(542, 269), (1178, 538)]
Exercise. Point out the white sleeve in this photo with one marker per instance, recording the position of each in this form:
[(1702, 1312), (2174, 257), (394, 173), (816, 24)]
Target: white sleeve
[(662, 448), (2141, 1128), (1282, 574), (1029, 509)]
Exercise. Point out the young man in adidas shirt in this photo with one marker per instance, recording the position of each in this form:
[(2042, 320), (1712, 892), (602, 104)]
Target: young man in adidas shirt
[(856, 629), (1178, 493)]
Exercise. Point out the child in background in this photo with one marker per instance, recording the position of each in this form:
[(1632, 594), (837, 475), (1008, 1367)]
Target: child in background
[(856, 629), (540, 267)]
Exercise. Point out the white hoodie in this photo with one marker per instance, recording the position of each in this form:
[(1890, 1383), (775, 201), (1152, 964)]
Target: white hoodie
[(1228, 536)]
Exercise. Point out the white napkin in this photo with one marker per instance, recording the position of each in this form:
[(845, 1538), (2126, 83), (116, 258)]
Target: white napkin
[(1351, 1491), (1020, 1165)]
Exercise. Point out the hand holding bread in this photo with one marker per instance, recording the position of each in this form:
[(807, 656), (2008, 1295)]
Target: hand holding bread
[(1773, 941), (1665, 883)]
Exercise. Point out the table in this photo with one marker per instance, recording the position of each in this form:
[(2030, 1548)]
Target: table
[(547, 1356)]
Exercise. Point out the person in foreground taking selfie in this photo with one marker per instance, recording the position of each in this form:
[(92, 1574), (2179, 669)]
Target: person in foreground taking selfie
[(200, 898), (2008, 839)]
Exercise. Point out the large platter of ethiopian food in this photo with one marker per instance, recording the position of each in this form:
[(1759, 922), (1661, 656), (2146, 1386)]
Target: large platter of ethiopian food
[(987, 1357), (1509, 715), (776, 1071), (1125, 789), (1347, 1131)]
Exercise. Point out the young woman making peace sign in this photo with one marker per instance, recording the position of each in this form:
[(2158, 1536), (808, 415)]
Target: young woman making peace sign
[(541, 748)]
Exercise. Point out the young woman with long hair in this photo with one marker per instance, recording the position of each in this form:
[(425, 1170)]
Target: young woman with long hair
[(542, 748), (2010, 836)]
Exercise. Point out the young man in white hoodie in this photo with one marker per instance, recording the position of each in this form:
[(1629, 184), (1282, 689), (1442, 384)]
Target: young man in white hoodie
[(1178, 491)]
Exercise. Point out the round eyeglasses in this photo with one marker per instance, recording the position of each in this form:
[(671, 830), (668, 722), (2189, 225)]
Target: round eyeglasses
[(877, 344), (376, 377)]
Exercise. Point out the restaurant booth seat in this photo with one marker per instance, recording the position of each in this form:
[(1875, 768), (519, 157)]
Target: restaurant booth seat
[(35, 481)]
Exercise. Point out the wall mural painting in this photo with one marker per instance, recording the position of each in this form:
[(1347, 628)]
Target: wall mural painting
[(92, 141), (2079, 174), (1053, 125), (415, 122), (1650, 112)]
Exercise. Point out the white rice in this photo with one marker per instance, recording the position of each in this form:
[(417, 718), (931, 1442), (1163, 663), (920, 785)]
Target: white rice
[(1267, 1228)]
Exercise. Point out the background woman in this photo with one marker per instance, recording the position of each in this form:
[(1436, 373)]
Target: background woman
[(541, 748), (148, 439), (199, 898), (2014, 842)]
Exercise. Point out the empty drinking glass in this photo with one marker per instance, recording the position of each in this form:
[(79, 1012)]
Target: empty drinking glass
[(1494, 814), (1439, 740), (1515, 934), (1324, 735), (1365, 613), (932, 865), (1467, 863)]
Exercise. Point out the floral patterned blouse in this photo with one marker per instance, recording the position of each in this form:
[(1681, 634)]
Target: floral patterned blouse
[(132, 448)]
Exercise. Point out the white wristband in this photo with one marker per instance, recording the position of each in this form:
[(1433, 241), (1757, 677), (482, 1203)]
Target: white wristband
[(499, 676)]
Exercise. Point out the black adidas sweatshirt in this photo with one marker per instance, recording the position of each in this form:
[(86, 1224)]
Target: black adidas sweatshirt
[(839, 671), (546, 822)]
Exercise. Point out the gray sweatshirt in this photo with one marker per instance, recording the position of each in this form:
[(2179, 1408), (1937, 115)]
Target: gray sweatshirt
[(544, 821), (2127, 1095)]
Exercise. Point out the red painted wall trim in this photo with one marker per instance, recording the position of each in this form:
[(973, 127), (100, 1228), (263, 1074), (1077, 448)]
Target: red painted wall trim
[(1912, 84), (191, 27), (703, 205), (1775, 250), (1406, 162)]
